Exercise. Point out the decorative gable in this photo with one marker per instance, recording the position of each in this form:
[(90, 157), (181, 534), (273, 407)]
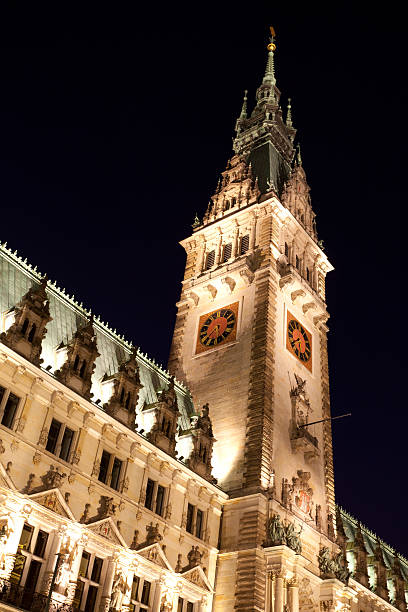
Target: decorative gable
[(53, 500), (197, 576), (155, 554), (107, 529)]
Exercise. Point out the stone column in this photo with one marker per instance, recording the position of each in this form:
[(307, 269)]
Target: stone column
[(279, 595), (107, 586), (293, 595), (158, 595), (270, 592), (252, 238), (234, 244)]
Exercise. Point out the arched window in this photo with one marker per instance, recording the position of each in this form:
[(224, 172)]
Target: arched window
[(82, 370), (286, 249), (25, 326), (32, 332), (122, 396), (297, 263), (210, 259), (76, 363), (127, 401), (204, 455), (167, 433), (244, 246)]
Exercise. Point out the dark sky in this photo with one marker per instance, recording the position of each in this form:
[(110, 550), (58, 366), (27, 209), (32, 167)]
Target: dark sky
[(113, 129)]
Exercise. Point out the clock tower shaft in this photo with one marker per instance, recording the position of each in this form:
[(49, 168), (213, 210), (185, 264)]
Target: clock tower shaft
[(264, 372)]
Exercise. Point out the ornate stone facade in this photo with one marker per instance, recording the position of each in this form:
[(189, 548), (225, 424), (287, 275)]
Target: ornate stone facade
[(113, 481)]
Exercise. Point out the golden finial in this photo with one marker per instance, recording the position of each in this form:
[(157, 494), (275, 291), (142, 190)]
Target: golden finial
[(272, 46)]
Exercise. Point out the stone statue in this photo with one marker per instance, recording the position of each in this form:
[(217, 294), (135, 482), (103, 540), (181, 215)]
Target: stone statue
[(293, 538), (85, 514), (194, 557), (135, 540), (5, 531), (276, 531), (153, 534), (63, 572), (286, 493), (119, 589), (179, 565), (330, 528), (325, 563), (53, 479), (340, 567)]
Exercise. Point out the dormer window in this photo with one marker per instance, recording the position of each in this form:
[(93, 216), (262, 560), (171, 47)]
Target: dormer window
[(286, 250), (82, 370), (25, 326), (227, 205), (308, 275), (297, 263), (32, 333), (76, 363)]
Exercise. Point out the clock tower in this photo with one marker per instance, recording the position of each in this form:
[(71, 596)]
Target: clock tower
[(250, 340)]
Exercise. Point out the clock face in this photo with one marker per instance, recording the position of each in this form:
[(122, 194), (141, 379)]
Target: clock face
[(217, 327), (299, 341)]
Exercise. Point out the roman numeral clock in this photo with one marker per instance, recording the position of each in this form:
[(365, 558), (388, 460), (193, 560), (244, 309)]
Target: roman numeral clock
[(299, 341), (216, 328)]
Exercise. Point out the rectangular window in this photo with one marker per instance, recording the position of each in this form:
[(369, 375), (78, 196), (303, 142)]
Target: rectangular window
[(78, 595), (41, 543), (91, 598), (190, 606), (83, 568), (180, 604), (96, 569), (210, 260), (286, 250), (199, 523), (227, 252), (190, 516), (2, 392), (160, 500), (116, 469), (145, 593), (10, 410), (26, 535), (244, 244), (308, 275), (66, 444), (149, 494), (104, 466), (53, 434), (135, 588), (297, 263)]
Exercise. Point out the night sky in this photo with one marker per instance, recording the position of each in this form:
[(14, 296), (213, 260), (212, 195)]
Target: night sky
[(114, 128)]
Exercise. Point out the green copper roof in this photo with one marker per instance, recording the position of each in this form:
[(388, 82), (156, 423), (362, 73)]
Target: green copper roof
[(17, 276)]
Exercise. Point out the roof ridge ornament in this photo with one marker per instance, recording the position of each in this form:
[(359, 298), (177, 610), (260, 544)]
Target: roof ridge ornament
[(289, 114), (270, 66)]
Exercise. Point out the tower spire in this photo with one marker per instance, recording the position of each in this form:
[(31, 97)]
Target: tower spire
[(243, 114), (289, 114), (270, 66)]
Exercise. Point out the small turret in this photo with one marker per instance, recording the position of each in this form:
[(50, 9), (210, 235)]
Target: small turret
[(125, 393), (80, 354), (29, 319), (203, 441)]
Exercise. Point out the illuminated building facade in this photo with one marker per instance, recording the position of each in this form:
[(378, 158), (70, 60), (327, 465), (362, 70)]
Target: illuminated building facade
[(114, 478)]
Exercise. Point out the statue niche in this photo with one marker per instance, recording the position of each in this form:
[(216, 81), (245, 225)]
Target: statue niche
[(301, 439), (164, 414), (203, 441), (126, 387), (81, 353), (30, 317)]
